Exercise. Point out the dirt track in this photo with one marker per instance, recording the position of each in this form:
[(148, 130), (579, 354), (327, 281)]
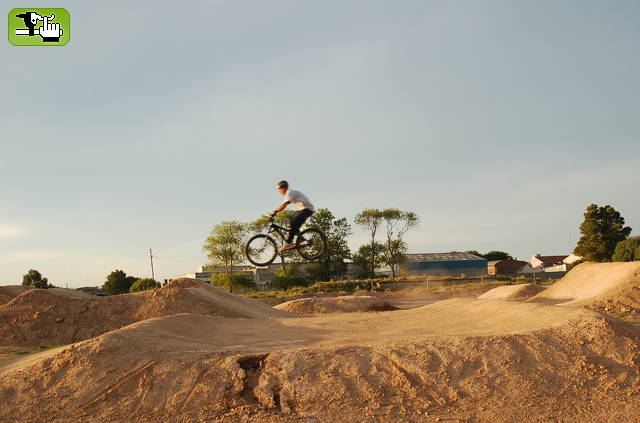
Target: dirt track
[(469, 360)]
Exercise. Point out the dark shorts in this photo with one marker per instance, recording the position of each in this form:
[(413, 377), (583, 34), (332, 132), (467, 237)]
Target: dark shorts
[(296, 221)]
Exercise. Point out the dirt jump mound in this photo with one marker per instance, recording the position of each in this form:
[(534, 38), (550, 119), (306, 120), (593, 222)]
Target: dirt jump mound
[(457, 360), (57, 316), (520, 292), (7, 293), (612, 288), (342, 304)]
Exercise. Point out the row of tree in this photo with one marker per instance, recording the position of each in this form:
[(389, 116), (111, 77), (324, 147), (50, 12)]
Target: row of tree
[(225, 244), (119, 283)]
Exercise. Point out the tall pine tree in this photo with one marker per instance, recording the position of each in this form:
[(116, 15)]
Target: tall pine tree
[(602, 229)]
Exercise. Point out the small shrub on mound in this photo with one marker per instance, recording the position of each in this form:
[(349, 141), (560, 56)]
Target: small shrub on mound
[(627, 250), (144, 285), (231, 281)]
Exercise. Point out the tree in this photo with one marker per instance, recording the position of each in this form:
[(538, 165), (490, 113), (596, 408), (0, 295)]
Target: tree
[(496, 255), (627, 250), (365, 256), (491, 255), (398, 222), (231, 281), (118, 283), (370, 219), (288, 276), (225, 245), (144, 285), (394, 255), (336, 231), (34, 278), (602, 229)]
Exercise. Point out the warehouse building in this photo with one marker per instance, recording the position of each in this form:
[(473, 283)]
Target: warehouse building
[(444, 264)]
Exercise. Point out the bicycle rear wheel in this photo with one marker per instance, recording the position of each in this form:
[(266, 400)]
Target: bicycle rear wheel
[(311, 244), (261, 250)]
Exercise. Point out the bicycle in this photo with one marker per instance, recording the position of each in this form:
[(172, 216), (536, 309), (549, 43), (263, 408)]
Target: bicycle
[(262, 249)]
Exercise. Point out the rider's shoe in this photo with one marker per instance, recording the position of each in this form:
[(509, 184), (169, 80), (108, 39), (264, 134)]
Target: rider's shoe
[(287, 246)]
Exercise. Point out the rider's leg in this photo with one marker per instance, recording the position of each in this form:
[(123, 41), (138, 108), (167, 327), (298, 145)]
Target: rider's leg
[(296, 221)]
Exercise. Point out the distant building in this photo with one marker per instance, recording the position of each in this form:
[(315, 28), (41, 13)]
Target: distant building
[(508, 267), (547, 261), (262, 275), (548, 266), (571, 258), (444, 264)]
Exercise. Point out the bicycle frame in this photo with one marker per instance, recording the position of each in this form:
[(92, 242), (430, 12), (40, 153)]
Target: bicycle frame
[(282, 232)]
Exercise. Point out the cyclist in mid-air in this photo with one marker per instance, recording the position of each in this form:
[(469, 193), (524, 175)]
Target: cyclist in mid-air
[(305, 209)]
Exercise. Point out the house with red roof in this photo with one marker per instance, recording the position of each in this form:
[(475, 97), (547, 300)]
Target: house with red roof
[(538, 260)]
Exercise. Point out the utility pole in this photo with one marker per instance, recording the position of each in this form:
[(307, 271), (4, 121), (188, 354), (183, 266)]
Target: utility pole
[(153, 276)]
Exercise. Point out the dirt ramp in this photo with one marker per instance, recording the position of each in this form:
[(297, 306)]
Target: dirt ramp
[(71, 293), (54, 317), (613, 288), (342, 304), (384, 367), (520, 292), (8, 292)]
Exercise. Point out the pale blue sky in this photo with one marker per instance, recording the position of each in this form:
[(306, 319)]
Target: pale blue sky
[(498, 122)]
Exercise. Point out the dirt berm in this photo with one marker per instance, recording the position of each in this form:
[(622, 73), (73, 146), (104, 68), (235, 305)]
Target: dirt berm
[(459, 360), (8, 292), (341, 304), (59, 316), (519, 292), (612, 288)]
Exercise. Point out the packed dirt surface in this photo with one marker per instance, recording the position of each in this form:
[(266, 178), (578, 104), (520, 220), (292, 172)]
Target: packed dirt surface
[(612, 288), (341, 304), (520, 292), (61, 316), (401, 299), (7, 293), (457, 360)]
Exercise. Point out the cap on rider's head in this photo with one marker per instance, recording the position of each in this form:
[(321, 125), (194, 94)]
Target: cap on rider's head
[(282, 184)]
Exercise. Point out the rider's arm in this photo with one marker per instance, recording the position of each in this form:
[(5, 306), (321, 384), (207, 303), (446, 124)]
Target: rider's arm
[(282, 206)]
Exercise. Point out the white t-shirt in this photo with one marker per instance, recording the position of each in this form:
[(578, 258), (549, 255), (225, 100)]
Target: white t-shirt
[(299, 199)]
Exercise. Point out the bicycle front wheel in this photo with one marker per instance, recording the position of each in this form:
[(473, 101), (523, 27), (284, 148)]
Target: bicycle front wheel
[(261, 250), (311, 244)]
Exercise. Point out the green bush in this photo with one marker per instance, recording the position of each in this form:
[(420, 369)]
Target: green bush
[(627, 250), (233, 281), (144, 285)]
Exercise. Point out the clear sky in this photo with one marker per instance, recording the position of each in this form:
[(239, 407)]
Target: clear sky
[(498, 122)]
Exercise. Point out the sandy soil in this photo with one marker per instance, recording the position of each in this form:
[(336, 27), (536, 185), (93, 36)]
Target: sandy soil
[(401, 299), (8, 292), (59, 316), (611, 288), (457, 360), (341, 304), (519, 292)]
